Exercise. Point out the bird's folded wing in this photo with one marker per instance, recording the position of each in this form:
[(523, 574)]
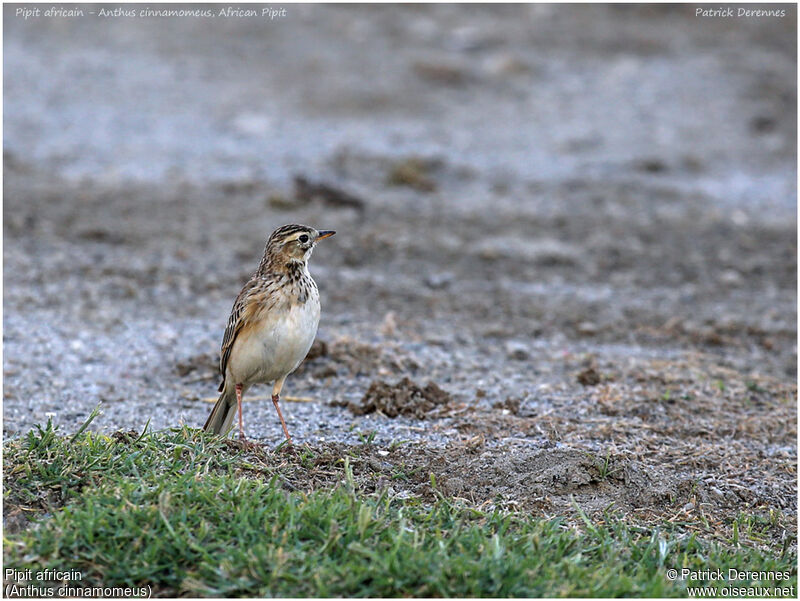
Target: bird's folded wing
[(245, 309)]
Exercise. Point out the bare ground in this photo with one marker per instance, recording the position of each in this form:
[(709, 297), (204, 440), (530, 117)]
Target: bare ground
[(606, 312)]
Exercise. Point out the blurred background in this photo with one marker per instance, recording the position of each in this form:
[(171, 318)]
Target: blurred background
[(531, 201)]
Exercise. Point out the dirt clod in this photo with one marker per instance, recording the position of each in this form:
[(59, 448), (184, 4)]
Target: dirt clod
[(205, 363), (318, 349), (403, 398), (589, 377), (125, 436), (441, 72), (511, 404), (413, 172), (306, 190), (358, 358)]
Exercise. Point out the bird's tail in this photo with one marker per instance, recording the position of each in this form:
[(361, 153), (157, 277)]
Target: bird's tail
[(221, 419)]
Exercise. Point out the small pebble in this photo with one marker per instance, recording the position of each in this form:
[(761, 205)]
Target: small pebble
[(517, 350), (438, 281)]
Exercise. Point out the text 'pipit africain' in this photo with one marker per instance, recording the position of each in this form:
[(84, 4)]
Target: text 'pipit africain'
[(271, 327)]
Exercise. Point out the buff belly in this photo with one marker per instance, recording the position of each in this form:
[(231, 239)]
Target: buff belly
[(275, 347)]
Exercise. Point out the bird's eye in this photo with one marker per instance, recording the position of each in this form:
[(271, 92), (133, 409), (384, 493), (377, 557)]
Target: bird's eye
[(303, 238)]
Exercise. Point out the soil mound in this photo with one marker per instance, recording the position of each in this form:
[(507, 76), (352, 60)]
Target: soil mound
[(403, 398)]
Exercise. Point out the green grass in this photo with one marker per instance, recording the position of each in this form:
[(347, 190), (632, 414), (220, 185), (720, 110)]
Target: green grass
[(188, 514)]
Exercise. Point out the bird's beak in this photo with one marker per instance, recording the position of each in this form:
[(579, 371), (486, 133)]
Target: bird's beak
[(325, 234)]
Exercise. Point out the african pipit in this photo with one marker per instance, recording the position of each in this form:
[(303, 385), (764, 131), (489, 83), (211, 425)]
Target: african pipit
[(271, 327)]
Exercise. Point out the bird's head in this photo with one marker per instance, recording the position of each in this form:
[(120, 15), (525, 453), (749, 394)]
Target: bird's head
[(293, 243)]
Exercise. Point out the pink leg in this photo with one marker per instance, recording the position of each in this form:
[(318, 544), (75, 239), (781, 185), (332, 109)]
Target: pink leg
[(239, 403), (275, 399)]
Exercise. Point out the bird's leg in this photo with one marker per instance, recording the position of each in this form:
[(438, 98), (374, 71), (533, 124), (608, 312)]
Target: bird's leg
[(275, 399), (239, 403), (276, 391)]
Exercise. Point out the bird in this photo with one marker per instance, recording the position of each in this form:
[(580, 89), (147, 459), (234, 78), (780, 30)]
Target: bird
[(271, 327)]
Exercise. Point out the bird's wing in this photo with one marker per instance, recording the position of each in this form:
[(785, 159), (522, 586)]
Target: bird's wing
[(242, 313)]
